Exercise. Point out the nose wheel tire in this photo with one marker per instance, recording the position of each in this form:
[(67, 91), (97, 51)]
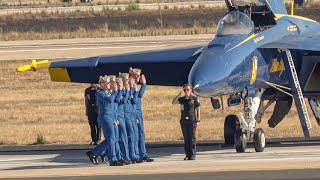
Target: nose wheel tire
[(240, 141), (259, 140), (230, 128)]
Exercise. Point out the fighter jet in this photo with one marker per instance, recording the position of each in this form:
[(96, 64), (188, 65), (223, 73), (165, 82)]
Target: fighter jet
[(259, 53)]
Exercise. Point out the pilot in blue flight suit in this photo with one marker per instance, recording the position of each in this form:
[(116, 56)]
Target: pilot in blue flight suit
[(135, 120), (135, 73), (114, 85), (105, 103), (121, 97), (129, 115)]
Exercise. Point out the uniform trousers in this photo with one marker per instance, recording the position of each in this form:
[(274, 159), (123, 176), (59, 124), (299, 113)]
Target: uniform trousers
[(189, 135)]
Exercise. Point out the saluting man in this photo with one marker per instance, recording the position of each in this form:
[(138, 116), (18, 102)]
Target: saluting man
[(105, 102), (114, 86), (129, 116), (139, 93), (190, 119), (92, 113), (121, 98)]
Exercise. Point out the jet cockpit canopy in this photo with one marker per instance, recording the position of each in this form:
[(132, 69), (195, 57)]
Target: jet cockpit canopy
[(235, 23)]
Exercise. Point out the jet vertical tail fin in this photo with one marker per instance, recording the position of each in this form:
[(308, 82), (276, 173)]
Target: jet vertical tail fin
[(276, 6)]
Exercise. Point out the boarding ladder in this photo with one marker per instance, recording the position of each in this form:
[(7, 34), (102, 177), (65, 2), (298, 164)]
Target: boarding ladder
[(297, 95)]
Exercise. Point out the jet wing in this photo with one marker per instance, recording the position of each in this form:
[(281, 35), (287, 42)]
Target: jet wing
[(169, 67)]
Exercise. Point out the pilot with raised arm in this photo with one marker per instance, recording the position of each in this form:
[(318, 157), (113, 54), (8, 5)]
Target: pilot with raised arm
[(129, 116), (114, 86), (190, 119), (139, 93), (121, 98), (105, 102)]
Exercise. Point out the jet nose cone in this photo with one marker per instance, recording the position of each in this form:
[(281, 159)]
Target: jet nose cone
[(198, 81), (208, 76), (198, 89)]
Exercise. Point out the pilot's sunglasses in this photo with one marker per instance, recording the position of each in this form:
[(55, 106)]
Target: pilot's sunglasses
[(185, 90)]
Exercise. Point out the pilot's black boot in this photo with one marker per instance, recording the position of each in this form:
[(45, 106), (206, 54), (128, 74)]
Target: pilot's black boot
[(139, 161), (92, 157), (125, 162), (192, 157), (134, 161), (116, 163), (104, 159), (147, 159)]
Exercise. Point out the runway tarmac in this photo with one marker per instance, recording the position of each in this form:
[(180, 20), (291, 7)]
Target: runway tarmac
[(77, 48), (294, 161), (309, 174)]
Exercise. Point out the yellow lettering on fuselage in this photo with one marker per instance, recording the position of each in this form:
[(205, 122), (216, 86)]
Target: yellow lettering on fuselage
[(277, 66)]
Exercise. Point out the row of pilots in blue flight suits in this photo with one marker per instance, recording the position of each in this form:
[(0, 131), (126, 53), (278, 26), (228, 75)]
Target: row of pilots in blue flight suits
[(120, 118)]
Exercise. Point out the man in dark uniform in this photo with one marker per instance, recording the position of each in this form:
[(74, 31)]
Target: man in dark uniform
[(92, 113), (190, 119)]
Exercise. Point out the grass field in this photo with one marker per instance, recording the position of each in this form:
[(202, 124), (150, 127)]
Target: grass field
[(32, 106)]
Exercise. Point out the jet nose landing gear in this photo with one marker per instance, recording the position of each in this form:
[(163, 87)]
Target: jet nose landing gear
[(243, 126), (240, 140)]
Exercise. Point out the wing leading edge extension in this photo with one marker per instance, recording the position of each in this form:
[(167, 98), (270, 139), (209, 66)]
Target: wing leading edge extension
[(303, 34), (169, 67)]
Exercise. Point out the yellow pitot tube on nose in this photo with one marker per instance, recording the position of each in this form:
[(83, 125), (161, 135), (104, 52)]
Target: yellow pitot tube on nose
[(35, 65)]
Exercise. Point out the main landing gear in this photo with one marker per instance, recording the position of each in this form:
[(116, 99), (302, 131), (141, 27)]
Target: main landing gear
[(240, 129)]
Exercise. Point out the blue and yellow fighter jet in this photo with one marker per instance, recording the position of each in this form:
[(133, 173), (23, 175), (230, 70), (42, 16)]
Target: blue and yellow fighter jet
[(259, 53)]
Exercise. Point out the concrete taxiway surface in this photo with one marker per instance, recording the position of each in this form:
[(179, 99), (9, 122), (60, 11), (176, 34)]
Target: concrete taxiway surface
[(301, 161), (77, 48)]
